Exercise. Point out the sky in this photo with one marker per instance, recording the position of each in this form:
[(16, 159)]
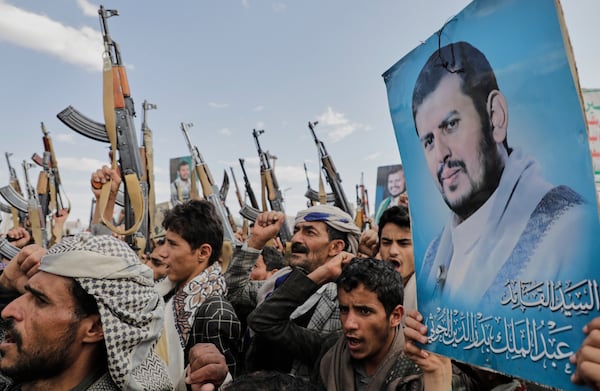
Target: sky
[(228, 67)]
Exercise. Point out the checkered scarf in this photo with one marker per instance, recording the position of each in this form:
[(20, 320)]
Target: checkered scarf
[(131, 310), (336, 219)]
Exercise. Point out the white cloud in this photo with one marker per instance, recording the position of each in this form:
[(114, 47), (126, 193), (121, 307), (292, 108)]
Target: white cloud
[(218, 105), (88, 8), (259, 108), (225, 131), (245, 4), (372, 156), (82, 47), (86, 165), (279, 7), (338, 126), (68, 138)]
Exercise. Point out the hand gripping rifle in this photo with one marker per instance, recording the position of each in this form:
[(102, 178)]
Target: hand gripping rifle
[(119, 131), (209, 189), (331, 174), (251, 211), (18, 216), (270, 186)]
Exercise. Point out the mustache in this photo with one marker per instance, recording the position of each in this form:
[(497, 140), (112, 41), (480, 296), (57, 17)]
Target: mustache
[(10, 332), (298, 248), (450, 164)]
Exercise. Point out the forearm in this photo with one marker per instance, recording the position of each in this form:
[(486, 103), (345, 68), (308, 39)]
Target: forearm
[(271, 319), (241, 292)]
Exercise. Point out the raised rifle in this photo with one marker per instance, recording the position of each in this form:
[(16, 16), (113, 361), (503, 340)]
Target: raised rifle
[(331, 174), (209, 188), (50, 191), (249, 212), (241, 202), (223, 197), (238, 195), (147, 152), (34, 210), (270, 186), (18, 216), (119, 131), (362, 206)]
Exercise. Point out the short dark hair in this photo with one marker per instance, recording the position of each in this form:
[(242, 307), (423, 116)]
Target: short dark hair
[(273, 258), (335, 234), (197, 222), (468, 63), (85, 304), (182, 163), (377, 276), (397, 214)]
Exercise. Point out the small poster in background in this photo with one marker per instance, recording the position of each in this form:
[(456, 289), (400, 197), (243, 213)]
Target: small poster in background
[(390, 190), (181, 174)]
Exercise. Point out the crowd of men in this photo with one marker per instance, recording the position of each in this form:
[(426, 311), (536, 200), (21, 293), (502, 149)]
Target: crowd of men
[(334, 308)]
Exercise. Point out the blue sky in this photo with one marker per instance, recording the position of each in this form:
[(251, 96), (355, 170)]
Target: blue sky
[(228, 66)]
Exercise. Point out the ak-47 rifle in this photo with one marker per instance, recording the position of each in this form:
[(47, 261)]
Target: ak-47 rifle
[(209, 189), (7, 250), (223, 197), (34, 210), (331, 174), (249, 212), (314, 197), (49, 186), (270, 186), (362, 206), (18, 217), (119, 131), (238, 195), (241, 202), (147, 152)]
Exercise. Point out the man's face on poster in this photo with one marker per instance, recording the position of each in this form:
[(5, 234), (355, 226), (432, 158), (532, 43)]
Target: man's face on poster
[(396, 183), (462, 162), (184, 172)]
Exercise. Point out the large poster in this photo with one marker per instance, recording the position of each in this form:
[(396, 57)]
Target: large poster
[(490, 126)]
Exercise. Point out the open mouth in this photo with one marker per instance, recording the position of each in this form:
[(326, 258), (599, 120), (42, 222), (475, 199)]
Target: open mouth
[(353, 343)]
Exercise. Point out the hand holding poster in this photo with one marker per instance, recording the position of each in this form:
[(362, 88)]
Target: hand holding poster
[(490, 127)]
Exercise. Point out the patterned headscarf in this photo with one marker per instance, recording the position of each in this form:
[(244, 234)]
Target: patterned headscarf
[(336, 219), (131, 310)]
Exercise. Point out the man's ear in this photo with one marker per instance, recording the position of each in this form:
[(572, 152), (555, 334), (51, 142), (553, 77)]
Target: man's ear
[(396, 315), (204, 252), (336, 246), (498, 112), (92, 329)]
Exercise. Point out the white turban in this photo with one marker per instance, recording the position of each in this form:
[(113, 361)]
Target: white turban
[(336, 219)]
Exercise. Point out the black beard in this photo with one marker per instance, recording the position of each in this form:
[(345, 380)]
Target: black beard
[(42, 363)]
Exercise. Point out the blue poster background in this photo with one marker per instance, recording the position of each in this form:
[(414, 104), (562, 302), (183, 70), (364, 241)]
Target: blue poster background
[(529, 335)]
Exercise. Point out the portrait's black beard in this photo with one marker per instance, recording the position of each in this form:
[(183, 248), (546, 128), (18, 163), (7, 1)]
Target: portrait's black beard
[(42, 362), (481, 191)]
